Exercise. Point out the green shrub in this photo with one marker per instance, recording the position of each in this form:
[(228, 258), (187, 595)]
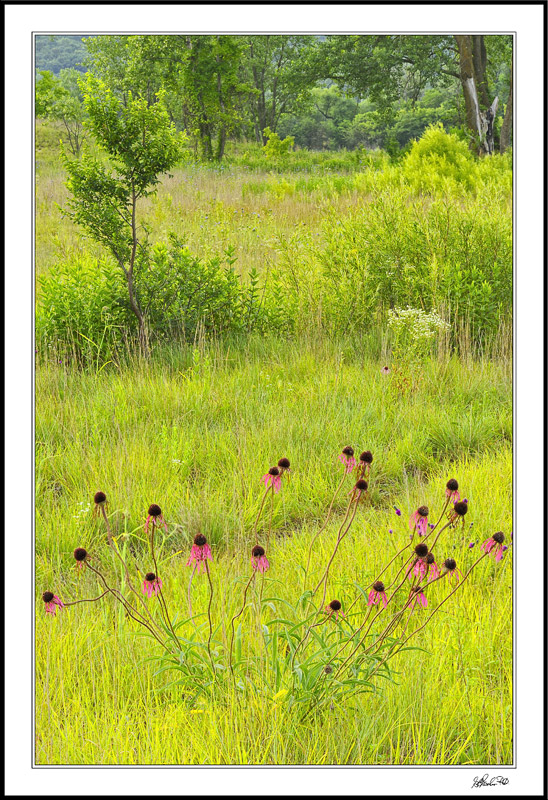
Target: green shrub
[(83, 311), (439, 160)]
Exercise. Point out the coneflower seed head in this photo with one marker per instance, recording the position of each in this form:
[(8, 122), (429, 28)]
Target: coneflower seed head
[(422, 511), (452, 485), (421, 550), (200, 539), (378, 586), (273, 471), (450, 564), (361, 485), (80, 554), (99, 497), (284, 463), (257, 551), (498, 537), (47, 597), (154, 511), (460, 509), (348, 451), (367, 457), (150, 576), (335, 605), (430, 558)]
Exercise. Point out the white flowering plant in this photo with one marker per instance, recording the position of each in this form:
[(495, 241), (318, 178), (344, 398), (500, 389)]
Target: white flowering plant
[(414, 332)]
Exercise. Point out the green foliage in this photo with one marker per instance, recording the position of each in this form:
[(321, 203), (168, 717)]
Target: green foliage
[(438, 160), (82, 311), (276, 148), (61, 99), (84, 301)]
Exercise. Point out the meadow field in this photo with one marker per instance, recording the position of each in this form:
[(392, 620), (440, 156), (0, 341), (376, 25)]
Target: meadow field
[(332, 244)]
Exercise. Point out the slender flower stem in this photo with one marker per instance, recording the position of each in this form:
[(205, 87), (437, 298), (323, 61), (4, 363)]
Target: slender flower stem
[(268, 489), (351, 606), (435, 611), (129, 609), (163, 604), (235, 617), (438, 535), (86, 600), (209, 618), (343, 523), (114, 546), (189, 591), (339, 487)]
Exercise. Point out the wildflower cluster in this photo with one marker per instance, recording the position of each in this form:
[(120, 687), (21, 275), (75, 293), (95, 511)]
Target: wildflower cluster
[(322, 649)]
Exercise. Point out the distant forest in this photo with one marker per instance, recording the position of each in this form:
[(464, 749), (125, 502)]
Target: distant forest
[(326, 92)]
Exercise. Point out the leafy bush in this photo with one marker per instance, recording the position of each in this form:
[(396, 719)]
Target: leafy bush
[(83, 310), (276, 147), (437, 160)]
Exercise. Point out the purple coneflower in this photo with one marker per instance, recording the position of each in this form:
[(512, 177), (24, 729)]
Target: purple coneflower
[(52, 603), (450, 566), (385, 370), (359, 488), (494, 544), (458, 512), (419, 520), (155, 514), (152, 585), (452, 490), (273, 477), (366, 459), (377, 594), (258, 559), (333, 609), (433, 569), (347, 458), (100, 500), (284, 465), (419, 597), (81, 557), (199, 553), (420, 567)]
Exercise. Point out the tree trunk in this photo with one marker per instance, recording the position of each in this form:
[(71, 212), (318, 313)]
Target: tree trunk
[(480, 116), (506, 129)]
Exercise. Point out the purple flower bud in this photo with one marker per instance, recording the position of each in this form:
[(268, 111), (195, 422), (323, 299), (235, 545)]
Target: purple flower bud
[(465, 500), (504, 547), (390, 530), (471, 545), (397, 510)]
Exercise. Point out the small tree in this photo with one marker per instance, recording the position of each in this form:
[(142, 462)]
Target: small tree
[(140, 143), (61, 99)]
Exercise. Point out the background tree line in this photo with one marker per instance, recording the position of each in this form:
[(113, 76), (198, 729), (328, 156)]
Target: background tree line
[(328, 92)]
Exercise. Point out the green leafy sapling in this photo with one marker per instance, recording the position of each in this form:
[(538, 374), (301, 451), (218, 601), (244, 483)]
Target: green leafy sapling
[(139, 143)]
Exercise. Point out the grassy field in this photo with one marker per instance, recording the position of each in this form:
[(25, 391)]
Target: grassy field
[(194, 429)]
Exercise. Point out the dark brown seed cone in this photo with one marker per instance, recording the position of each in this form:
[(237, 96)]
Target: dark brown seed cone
[(154, 511), (47, 597), (460, 508), (200, 539), (257, 551)]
